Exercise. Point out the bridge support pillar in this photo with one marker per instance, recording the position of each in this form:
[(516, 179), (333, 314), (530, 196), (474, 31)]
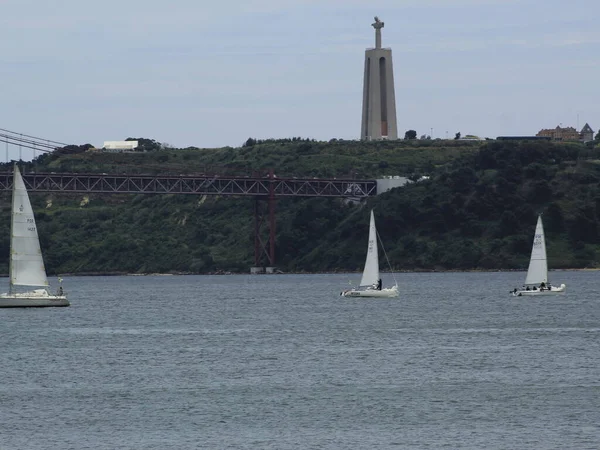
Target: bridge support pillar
[(264, 232)]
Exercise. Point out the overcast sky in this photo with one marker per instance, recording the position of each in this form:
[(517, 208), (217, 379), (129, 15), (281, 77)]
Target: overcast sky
[(213, 73)]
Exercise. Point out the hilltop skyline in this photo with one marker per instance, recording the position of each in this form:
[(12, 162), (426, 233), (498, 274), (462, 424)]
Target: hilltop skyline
[(191, 74)]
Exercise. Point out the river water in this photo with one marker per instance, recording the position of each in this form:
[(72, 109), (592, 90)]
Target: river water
[(284, 362)]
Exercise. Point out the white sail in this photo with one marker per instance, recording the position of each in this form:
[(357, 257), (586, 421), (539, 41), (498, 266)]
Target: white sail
[(26, 262), (538, 265), (371, 273)]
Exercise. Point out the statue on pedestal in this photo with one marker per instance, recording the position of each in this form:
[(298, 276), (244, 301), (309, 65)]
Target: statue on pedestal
[(378, 25)]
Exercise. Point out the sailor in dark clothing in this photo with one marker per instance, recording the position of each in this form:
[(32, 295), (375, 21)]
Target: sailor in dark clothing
[(379, 284)]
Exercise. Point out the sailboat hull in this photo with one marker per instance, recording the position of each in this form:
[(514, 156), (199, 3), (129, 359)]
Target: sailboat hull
[(373, 293), (34, 299), (537, 292)]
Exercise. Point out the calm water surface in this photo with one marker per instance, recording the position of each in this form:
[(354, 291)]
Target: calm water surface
[(283, 362)]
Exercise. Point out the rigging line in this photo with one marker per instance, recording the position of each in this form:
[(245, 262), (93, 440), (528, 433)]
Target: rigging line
[(33, 137), (386, 257)]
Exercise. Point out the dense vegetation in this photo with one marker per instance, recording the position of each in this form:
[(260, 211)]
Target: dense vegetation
[(476, 211)]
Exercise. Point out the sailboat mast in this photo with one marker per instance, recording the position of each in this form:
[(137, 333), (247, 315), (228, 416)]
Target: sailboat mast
[(12, 221)]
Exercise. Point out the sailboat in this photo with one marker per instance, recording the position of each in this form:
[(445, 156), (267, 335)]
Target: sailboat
[(536, 282), (26, 261), (370, 283)]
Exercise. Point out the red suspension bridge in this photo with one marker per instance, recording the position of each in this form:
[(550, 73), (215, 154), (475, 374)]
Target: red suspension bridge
[(264, 189)]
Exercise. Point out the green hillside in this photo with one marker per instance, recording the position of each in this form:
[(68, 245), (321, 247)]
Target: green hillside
[(477, 210), (288, 157)]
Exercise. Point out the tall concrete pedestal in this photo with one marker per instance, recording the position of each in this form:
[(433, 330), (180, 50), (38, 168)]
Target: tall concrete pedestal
[(379, 98)]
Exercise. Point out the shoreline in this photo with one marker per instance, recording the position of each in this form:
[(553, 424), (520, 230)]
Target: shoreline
[(128, 274)]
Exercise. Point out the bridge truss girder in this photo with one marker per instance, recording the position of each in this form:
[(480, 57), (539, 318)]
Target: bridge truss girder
[(187, 184), (264, 189)]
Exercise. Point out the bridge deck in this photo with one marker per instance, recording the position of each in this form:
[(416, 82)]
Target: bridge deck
[(192, 184)]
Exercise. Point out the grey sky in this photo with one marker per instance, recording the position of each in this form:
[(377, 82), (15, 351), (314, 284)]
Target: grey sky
[(211, 74)]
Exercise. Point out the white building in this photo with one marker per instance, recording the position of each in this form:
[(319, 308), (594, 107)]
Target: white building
[(120, 146)]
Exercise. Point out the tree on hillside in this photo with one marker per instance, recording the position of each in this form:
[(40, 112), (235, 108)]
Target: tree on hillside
[(457, 136), (146, 145), (410, 134), (72, 149), (597, 139), (249, 143)]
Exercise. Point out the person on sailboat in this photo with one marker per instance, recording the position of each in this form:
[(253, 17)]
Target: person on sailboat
[(379, 284), (542, 286)]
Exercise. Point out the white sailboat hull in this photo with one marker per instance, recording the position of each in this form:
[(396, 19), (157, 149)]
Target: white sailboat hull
[(551, 291), (384, 293), (38, 298)]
